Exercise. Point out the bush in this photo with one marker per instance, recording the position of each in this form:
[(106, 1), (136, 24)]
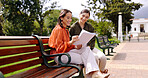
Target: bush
[(114, 39)]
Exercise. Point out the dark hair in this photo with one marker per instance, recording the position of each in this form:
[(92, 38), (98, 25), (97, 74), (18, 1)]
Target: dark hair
[(62, 14), (85, 11)]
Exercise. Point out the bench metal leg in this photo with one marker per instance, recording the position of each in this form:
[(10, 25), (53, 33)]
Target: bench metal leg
[(109, 53), (104, 51), (80, 75), (112, 50)]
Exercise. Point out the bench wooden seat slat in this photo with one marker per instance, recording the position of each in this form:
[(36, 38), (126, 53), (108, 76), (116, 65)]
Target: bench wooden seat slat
[(60, 73), (68, 73), (71, 72), (52, 74), (34, 71), (41, 72), (38, 73), (45, 73)]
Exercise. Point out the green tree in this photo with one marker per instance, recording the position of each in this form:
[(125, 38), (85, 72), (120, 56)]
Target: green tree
[(1, 33), (74, 19), (112, 9), (1, 19), (102, 28), (51, 19), (109, 9), (22, 14)]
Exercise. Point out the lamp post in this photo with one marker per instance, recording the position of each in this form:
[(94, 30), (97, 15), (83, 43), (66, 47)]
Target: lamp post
[(120, 36), (126, 33)]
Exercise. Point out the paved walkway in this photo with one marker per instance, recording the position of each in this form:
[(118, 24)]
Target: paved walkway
[(130, 60)]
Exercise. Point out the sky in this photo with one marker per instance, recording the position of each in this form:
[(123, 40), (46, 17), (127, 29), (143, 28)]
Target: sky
[(143, 11), (75, 7)]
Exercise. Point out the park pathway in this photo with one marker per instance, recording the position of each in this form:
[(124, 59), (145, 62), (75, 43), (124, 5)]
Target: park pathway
[(130, 60)]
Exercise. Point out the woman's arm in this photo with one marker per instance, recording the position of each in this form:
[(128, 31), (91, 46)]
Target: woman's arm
[(57, 41)]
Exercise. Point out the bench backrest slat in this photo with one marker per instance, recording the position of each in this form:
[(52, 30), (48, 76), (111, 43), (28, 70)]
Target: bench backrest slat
[(7, 43), (19, 58), (17, 42), (16, 67), (12, 51), (105, 39), (100, 40)]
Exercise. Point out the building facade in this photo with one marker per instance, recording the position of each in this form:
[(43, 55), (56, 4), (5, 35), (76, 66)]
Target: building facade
[(138, 26)]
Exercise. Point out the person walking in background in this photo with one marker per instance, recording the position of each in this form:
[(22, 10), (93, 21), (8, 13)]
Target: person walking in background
[(82, 24), (60, 42)]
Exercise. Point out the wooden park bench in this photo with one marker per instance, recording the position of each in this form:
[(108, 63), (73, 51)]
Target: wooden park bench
[(29, 57)]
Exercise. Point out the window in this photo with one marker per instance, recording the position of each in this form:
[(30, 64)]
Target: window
[(134, 29), (141, 27)]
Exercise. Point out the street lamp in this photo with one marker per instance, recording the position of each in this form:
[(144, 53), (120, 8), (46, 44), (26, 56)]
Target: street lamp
[(120, 36)]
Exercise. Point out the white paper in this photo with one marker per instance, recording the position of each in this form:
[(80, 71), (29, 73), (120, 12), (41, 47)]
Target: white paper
[(84, 38)]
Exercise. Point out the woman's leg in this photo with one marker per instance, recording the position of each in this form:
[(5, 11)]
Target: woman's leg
[(92, 68), (89, 61), (84, 56), (100, 58), (75, 57)]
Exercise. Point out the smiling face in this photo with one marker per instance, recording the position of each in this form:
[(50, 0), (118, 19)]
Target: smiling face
[(66, 20), (83, 17)]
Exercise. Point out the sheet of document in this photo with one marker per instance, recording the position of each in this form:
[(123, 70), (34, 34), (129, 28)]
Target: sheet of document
[(84, 38)]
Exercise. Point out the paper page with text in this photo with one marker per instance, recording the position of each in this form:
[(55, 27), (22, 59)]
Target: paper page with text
[(84, 38)]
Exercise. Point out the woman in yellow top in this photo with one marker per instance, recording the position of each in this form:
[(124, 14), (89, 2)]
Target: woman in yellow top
[(60, 41)]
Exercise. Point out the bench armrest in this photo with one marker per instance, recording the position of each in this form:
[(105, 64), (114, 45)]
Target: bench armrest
[(59, 58), (1, 75), (61, 64)]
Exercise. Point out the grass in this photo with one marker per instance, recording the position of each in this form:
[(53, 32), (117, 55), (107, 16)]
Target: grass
[(96, 46)]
